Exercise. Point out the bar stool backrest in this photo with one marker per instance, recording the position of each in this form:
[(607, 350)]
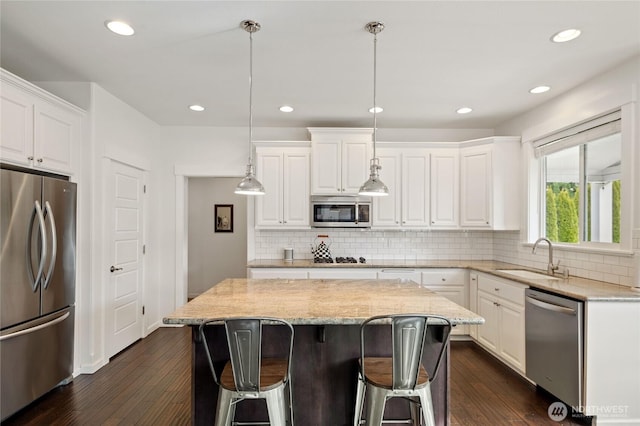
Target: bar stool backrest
[(408, 335), (244, 337)]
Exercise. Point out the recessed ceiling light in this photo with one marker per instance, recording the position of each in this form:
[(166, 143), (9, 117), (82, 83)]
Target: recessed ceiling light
[(119, 27), (540, 89), (566, 35), (197, 108), (286, 108), (378, 110), (464, 110)]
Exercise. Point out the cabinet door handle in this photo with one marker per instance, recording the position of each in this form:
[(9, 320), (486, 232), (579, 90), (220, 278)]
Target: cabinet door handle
[(496, 289), (444, 279), (113, 269), (39, 160), (30, 158)]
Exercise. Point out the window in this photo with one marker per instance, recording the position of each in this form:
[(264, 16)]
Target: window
[(582, 182)]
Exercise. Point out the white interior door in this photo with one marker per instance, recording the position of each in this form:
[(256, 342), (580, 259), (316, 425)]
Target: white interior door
[(125, 290)]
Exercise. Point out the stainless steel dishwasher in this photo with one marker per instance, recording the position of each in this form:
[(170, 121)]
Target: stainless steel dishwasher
[(554, 344)]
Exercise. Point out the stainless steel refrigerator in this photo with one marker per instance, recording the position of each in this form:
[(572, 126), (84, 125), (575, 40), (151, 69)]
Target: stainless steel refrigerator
[(37, 286)]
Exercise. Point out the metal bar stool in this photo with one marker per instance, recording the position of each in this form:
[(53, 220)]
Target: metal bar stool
[(403, 375), (247, 375)]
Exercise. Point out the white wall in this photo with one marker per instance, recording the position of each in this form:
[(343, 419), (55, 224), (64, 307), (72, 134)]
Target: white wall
[(214, 256), (119, 132)]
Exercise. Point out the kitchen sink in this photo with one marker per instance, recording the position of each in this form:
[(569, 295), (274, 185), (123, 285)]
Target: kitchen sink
[(527, 274)]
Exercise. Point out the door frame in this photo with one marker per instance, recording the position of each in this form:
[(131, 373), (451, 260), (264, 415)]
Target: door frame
[(144, 165), (182, 175)]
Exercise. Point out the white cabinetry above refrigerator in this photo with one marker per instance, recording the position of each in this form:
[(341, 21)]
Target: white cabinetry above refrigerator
[(38, 130)]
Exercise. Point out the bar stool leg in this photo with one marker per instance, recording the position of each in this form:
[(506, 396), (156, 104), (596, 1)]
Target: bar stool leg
[(225, 408), (427, 406), (357, 415), (376, 401), (415, 408), (276, 407)]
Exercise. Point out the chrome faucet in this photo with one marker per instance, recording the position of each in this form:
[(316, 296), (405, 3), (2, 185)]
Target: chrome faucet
[(551, 268)]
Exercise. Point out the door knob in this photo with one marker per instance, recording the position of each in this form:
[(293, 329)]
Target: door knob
[(113, 269)]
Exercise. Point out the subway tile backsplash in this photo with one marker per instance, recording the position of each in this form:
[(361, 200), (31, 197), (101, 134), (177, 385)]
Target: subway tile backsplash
[(447, 245)]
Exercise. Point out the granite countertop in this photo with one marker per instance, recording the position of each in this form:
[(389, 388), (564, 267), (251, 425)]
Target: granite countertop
[(317, 301), (575, 287)]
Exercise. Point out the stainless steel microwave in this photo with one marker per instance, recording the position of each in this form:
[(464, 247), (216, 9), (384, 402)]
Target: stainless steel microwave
[(340, 212)]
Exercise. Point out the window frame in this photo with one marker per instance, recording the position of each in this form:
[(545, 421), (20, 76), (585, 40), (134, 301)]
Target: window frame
[(536, 190)]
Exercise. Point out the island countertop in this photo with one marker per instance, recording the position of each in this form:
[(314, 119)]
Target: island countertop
[(317, 301)]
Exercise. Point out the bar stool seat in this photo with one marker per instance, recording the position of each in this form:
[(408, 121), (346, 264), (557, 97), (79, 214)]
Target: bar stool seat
[(272, 374), (379, 372)]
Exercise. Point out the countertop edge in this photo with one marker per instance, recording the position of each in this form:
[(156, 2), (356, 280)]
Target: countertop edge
[(590, 290), (319, 321)]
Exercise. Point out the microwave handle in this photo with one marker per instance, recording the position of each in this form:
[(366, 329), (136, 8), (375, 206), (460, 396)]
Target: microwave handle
[(357, 213)]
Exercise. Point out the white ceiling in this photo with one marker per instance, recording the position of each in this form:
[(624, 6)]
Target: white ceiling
[(433, 56)]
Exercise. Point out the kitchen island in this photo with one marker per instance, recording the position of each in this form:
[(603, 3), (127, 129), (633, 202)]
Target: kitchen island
[(326, 315)]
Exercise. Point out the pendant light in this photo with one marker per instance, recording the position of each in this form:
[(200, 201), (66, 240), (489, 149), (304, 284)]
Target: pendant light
[(374, 186), (250, 185)]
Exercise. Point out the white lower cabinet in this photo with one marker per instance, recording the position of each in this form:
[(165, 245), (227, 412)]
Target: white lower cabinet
[(339, 273), (452, 284), (473, 302), (277, 273), (501, 304), (405, 274)]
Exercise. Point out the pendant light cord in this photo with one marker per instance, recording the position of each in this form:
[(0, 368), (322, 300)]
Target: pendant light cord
[(375, 107), (250, 96)]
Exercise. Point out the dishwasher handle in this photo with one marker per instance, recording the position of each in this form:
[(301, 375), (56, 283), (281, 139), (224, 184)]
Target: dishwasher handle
[(550, 306)]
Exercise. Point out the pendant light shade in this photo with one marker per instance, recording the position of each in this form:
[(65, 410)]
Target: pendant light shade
[(249, 185), (374, 186)]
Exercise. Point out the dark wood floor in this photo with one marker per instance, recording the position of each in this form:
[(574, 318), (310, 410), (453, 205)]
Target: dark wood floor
[(149, 384)]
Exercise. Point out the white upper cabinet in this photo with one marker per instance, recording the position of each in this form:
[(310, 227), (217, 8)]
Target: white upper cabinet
[(489, 183), (387, 210), (444, 187), (415, 187), (406, 174), (284, 172), (38, 129), (339, 160)]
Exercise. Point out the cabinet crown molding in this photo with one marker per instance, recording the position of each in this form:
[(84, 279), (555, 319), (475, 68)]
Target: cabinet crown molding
[(9, 78)]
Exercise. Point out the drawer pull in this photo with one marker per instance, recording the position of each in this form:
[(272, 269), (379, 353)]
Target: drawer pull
[(496, 289)]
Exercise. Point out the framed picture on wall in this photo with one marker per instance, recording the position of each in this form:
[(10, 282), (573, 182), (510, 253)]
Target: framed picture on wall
[(224, 217)]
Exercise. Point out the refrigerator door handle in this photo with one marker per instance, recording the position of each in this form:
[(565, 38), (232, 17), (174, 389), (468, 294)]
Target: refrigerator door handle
[(54, 244), (43, 250), (36, 328)]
